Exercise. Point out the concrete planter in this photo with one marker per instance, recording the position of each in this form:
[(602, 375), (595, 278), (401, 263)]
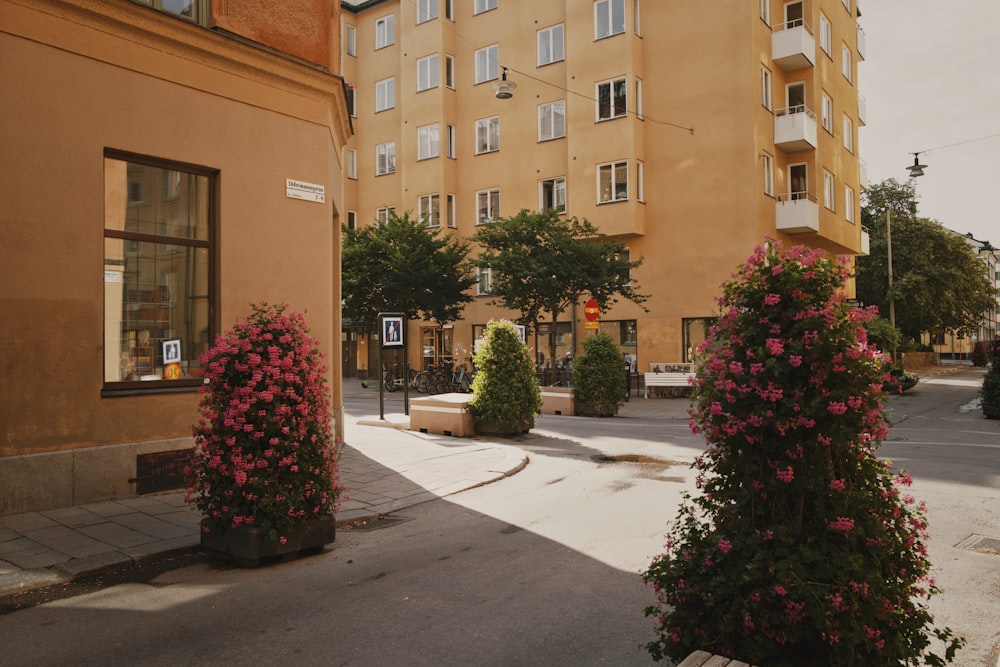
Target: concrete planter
[(558, 401)]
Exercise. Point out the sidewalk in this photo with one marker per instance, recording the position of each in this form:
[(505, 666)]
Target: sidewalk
[(385, 468)]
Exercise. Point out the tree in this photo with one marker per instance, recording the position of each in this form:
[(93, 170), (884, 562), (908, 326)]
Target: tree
[(405, 266), (542, 263), (938, 282), (802, 545)]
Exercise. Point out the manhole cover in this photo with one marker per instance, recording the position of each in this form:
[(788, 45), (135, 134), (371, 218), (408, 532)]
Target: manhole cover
[(376, 524), (986, 545)]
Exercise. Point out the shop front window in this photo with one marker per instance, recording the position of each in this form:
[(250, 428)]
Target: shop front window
[(157, 273)]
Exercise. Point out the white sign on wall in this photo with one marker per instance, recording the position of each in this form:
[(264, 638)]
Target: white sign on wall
[(306, 191)]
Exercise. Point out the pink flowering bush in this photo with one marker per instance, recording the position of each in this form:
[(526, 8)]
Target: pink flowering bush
[(800, 548), (264, 452), (505, 390)]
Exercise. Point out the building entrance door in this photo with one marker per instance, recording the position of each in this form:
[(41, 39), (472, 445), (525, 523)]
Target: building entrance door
[(436, 346)]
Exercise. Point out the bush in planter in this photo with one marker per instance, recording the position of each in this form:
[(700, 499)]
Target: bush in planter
[(990, 391), (264, 451), (801, 545), (980, 357), (599, 377), (505, 394)]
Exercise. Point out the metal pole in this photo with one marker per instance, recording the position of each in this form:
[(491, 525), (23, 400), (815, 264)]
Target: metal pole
[(888, 241)]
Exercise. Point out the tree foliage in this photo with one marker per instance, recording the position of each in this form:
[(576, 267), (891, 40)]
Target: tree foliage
[(505, 393), (404, 266), (938, 282), (801, 543), (542, 263)]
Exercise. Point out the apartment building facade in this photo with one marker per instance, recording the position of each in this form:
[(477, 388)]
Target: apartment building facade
[(690, 131), (167, 163)]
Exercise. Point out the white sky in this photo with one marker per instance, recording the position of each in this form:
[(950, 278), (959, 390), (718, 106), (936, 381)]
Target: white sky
[(932, 79)]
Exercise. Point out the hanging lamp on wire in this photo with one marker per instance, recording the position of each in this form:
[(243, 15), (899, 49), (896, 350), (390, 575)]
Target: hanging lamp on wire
[(504, 88), (916, 169)]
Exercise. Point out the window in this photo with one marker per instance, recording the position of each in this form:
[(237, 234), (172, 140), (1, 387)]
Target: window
[(550, 45), (827, 113), (625, 256), (848, 204), (384, 215), (798, 181), (488, 64), (351, 40), (352, 219), (846, 64), (352, 163), (847, 4), (552, 120), (385, 32), (193, 10), (452, 213), (428, 72), (609, 18), (449, 71), (848, 133), (385, 94), (385, 158), (611, 99), (450, 138), (484, 5), (430, 210), (484, 282), (487, 205), (765, 11), (635, 11), (487, 135), (449, 9), (829, 191), (352, 100), (640, 176), (552, 194), (765, 87), (825, 35), (638, 99), (428, 142), (612, 182), (158, 272), (768, 164), (427, 10)]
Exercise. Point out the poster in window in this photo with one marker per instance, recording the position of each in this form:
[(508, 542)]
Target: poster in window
[(172, 351)]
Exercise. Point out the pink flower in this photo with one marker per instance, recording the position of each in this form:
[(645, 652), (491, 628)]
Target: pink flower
[(780, 590), (725, 546), (843, 524), (837, 485), (774, 346), (786, 475), (772, 299)]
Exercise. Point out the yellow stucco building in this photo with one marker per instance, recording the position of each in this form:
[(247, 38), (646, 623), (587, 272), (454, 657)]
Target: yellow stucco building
[(689, 130)]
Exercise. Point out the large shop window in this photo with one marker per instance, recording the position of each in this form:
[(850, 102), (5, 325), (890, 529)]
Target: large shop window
[(158, 273)]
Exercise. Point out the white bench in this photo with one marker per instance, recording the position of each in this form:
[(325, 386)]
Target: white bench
[(668, 375)]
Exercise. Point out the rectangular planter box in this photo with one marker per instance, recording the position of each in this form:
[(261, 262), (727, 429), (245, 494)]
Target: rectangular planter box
[(443, 414), (248, 546), (558, 401)]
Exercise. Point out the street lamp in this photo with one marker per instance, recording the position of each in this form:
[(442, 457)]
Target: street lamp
[(504, 88), (916, 169)]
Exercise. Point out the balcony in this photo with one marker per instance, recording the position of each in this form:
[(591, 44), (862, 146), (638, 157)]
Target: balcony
[(793, 46), (795, 129), (797, 213), (866, 243), (863, 174), (862, 110), (861, 44)]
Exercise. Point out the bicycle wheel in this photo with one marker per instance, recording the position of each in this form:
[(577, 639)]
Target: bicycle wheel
[(423, 382), (390, 382)]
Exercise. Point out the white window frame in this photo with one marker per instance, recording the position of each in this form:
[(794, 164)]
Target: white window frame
[(449, 9), (487, 205), (383, 213), (848, 203), (385, 158), (825, 35), (640, 177), (429, 209), (488, 63), (487, 135), (351, 40), (428, 141), (638, 99), (428, 72), (848, 133), (483, 6), (765, 12), (449, 71), (552, 120), (484, 281), (352, 164), (766, 89), (450, 149), (385, 31), (829, 191), (826, 113), (847, 62), (613, 86), (553, 189), (427, 10), (767, 161), (452, 211), (385, 94), (636, 22), (612, 170), (607, 25), (551, 45)]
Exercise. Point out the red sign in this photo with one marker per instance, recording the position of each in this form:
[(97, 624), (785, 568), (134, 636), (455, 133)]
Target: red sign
[(590, 310)]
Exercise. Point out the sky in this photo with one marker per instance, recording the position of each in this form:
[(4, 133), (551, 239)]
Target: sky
[(931, 78)]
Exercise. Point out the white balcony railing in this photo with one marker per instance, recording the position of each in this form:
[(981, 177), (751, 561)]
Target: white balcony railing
[(796, 213), (866, 243), (863, 174), (862, 47), (862, 110), (795, 129), (793, 45)]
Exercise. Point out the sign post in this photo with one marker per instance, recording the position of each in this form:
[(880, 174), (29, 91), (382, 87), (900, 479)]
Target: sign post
[(392, 335), (591, 311)]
